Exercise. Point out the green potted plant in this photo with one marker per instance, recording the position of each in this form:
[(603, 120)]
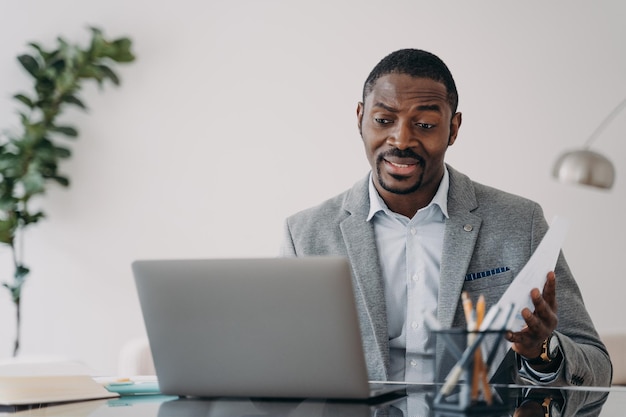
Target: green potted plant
[(30, 158)]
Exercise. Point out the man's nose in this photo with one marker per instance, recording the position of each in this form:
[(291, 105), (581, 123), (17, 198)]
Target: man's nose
[(402, 137)]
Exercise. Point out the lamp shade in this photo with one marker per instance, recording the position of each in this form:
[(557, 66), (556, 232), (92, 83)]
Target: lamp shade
[(585, 167)]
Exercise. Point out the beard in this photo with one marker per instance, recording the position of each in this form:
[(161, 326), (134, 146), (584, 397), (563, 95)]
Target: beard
[(408, 188)]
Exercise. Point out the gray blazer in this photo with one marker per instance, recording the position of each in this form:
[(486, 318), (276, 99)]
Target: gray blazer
[(487, 229)]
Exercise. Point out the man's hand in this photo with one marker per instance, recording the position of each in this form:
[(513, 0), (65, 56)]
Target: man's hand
[(540, 324)]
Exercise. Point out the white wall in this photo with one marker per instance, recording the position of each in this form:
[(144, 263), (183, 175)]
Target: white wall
[(238, 113)]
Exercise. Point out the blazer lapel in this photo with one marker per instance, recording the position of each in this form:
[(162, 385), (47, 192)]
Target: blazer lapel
[(361, 247), (458, 246)]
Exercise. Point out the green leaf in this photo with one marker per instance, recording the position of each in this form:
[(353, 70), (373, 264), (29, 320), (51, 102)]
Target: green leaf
[(30, 64), (73, 100), (64, 181), (7, 230), (80, 57), (56, 64), (65, 130), (63, 45), (7, 202), (122, 50), (20, 274), (15, 291), (45, 55), (95, 31), (62, 152), (44, 152), (91, 71), (45, 86), (9, 161), (32, 218), (33, 181), (24, 99), (108, 72)]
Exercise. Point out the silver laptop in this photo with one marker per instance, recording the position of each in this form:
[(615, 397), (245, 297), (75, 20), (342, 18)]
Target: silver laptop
[(270, 327)]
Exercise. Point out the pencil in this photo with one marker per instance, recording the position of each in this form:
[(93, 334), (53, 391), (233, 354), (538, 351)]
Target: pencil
[(480, 310), (480, 369), (467, 309), (473, 319), (476, 374)]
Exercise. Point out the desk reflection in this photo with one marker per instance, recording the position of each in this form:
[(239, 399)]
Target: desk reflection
[(523, 403), (270, 408), (554, 402)]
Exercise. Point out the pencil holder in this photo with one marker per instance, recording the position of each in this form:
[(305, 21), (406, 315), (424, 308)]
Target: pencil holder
[(462, 362)]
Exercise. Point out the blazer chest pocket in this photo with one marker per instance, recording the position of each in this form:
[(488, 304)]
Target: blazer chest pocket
[(476, 283)]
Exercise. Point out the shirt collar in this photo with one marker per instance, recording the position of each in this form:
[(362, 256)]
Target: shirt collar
[(440, 199)]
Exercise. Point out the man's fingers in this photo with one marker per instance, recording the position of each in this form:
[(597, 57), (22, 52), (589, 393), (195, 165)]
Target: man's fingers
[(549, 290), (524, 343), (534, 323)]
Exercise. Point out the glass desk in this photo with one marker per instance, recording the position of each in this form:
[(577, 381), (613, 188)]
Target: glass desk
[(573, 401)]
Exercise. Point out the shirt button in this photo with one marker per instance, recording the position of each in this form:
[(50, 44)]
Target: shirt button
[(415, 278), (414, 325), (413, 231), (468, 227), (413, 363)]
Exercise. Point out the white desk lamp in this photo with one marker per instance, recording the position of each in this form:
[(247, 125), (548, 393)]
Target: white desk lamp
[(584, 166)]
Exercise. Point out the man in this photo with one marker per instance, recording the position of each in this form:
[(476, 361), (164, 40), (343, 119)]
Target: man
[(419, 233)]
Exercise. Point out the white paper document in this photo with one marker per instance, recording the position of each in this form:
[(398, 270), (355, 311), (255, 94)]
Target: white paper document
[(533, 275)]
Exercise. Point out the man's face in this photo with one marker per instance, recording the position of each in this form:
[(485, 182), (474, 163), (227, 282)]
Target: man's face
[(407, 125)]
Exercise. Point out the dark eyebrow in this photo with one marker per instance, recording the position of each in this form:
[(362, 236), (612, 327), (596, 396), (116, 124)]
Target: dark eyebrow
[(386, 107), (423, 107), (429, 107)]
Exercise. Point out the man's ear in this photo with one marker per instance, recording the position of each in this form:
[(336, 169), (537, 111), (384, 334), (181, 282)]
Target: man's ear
[(455, 124), (359, 116)]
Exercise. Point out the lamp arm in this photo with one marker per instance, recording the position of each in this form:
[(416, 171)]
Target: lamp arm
[(608, 119)]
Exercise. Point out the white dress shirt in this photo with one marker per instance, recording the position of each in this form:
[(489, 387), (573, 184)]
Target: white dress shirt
[(410, 253)]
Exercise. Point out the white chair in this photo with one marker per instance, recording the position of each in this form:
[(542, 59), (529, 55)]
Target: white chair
[(135, 359), (615, 343)]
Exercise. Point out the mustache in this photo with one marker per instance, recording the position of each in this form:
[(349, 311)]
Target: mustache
[(400, 153)]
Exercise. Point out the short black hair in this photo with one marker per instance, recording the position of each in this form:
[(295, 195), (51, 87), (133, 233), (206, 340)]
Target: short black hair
[(416, 63)]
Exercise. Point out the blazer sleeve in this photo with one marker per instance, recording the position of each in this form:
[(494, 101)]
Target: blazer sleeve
[(586, 360)]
